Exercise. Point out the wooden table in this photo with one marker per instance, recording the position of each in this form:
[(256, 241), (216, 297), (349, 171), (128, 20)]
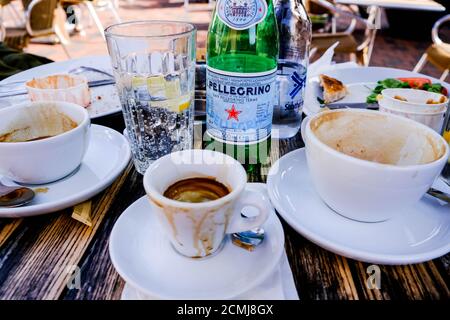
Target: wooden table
[(39, 254)]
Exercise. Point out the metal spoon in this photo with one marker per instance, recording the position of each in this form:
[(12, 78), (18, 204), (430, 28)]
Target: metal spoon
[(14, 196), (439, 194), (250, 239), (80, 69), (446, 180)]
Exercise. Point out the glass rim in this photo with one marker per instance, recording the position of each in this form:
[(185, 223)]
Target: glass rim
[(110, 33)]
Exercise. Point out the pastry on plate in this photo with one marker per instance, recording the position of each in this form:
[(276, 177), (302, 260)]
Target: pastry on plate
[(333, 89)]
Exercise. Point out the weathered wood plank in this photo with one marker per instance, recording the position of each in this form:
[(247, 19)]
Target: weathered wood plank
[(7, 227), (35, 265), (318, 274), (99, 280)]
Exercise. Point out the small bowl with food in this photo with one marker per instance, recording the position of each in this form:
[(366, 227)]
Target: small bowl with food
[(60, 87), (426, 107)]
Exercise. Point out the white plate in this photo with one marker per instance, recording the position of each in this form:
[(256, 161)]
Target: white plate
[(418, 234), (107, 156), (359, 80), (104, 99), (145, 259)]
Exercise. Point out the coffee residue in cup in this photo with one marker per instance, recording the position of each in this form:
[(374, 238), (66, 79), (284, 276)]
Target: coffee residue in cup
[(377, 138), (196, 190), (37, 124)]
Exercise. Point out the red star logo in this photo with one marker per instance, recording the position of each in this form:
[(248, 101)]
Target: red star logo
[(233, 113)]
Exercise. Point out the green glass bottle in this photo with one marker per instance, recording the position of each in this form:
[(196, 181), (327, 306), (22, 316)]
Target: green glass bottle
[(242, 51)]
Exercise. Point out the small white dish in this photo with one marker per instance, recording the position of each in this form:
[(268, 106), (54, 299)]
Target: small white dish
[(418, 234), (415, 107), (60, 87), (144, 258), (106, 157), (104, 99)]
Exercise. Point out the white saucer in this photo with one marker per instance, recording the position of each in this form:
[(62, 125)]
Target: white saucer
[(279, 285), (418, 234), (145, 260), (107, 156)]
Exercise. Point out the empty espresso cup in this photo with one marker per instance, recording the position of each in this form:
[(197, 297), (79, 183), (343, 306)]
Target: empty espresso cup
[(367, 165), (198, 229)]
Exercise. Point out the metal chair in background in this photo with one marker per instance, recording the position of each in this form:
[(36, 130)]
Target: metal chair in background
[(10, 9), (360, 52), (40, 21), (438, 54), (17, 39), (93, 6), (211, 4), (2, 31)]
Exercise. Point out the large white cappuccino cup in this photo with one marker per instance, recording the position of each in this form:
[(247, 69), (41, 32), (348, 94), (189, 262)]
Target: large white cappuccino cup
[(367, 165)]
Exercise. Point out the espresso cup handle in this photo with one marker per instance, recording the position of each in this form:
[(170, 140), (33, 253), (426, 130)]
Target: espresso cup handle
[(250, 198)]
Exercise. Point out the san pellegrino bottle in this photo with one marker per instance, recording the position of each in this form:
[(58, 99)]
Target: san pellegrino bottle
[(294, 28), (242, 50)]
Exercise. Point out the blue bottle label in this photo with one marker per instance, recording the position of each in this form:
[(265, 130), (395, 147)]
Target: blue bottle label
[(291, 79), (239, 106), (241, 14)]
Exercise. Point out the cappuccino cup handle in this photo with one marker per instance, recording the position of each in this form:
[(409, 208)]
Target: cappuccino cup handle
[(254, 199), (303, 128)]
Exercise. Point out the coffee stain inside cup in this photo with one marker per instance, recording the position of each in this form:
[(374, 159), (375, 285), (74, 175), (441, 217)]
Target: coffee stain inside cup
[(31, 124), (377, 138)]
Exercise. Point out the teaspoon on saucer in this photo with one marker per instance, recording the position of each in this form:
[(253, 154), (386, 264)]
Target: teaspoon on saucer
[(439, 194), (14, 196), (250, 239)]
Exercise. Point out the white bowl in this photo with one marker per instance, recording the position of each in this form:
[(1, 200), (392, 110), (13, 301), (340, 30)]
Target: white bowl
[(49, 159), (60, 87), (415, 108), (365, 190)]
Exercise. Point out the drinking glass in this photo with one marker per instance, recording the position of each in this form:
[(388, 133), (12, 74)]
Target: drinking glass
[(154, 68)]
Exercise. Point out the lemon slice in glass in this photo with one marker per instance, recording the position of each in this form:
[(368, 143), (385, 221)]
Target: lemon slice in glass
[(137, 81), (175, 105), (156, 85)]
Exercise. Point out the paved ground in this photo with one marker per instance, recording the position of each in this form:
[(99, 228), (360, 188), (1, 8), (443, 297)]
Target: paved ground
[(389, 51), (91, 43)]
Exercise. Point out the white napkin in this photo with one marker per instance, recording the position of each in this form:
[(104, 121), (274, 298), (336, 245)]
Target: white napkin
[(278, 286), (322, 65)]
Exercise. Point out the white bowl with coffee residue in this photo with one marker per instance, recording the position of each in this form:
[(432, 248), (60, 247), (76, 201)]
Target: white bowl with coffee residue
[(41, 142), (60, 87), (426, 107), (367, 165)]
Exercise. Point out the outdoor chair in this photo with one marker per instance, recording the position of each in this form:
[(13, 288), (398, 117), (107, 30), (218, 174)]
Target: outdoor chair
[(359, 51), (438, 54), (40, 21), (92, 7)]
